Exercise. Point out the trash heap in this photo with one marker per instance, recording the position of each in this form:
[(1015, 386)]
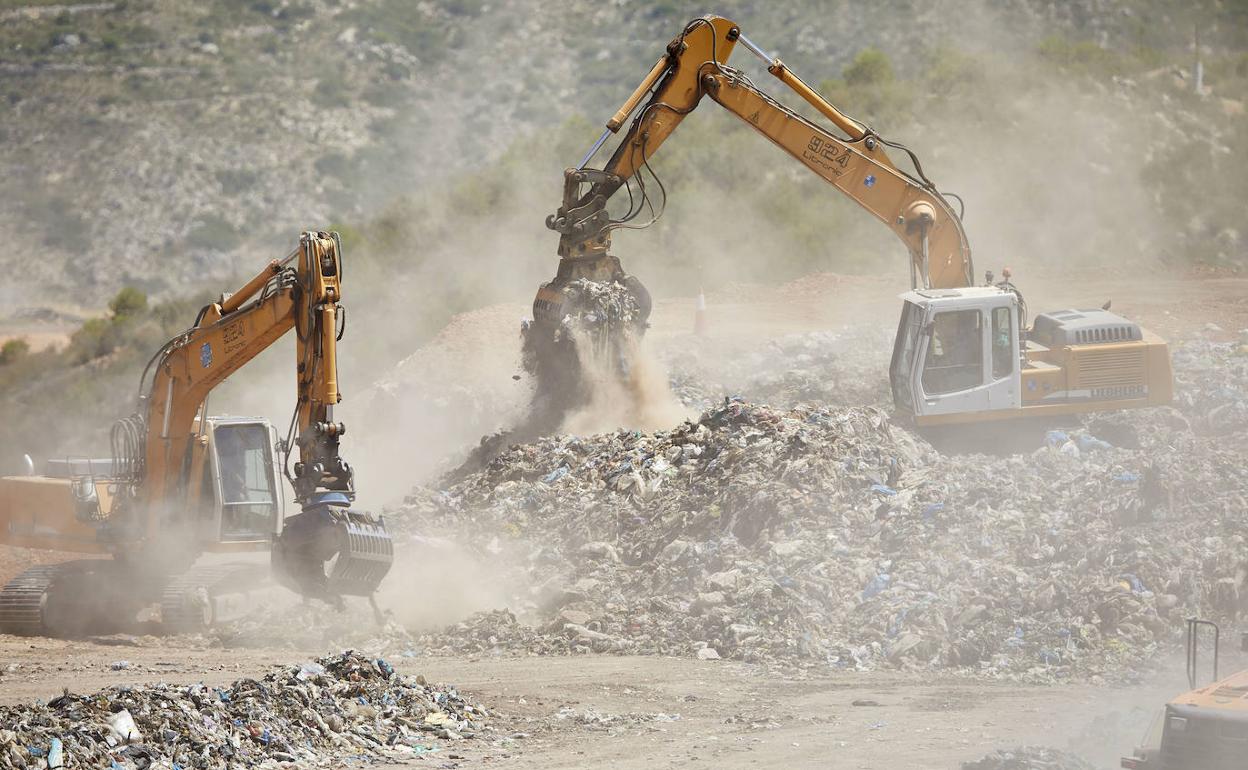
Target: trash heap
[(837, 367), (1029, 758), (832, 536), (1211, 384), (340, 706)]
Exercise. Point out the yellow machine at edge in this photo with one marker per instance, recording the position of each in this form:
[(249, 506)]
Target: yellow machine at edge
[(181, 483)]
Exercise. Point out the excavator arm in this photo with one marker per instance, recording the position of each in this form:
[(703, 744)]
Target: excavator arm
[(301, 292), (695, 64)]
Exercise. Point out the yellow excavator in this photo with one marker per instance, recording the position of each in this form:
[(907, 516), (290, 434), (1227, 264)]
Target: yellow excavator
[(181, 483), (963, 352), (1205, 728)]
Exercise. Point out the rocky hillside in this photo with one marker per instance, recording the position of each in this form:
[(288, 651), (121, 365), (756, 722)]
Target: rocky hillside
[(167, 144), (172, 146)]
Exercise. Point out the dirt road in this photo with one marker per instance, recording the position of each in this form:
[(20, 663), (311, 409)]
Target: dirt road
[(631, 712)]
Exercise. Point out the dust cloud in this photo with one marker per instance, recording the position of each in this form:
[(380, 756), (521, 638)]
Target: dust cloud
[(641, 400)]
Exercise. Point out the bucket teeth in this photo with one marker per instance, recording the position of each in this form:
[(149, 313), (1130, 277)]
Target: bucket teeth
[(366, 556), (360, 549)]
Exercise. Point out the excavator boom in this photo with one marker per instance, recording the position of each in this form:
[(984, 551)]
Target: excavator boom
[(694, 65), (858, 165)]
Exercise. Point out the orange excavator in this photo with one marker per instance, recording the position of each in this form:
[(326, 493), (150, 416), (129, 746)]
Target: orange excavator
[(181, 483), (963, 353)]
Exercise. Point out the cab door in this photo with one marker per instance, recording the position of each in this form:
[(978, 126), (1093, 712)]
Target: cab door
[(963, 366), (249, 492), (1004, 376)]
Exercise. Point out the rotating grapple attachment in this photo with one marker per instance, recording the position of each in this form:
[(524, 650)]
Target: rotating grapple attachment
[(328, 551), (589, 311)]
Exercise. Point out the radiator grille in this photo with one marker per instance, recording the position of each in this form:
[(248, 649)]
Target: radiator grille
[(1111, 368)]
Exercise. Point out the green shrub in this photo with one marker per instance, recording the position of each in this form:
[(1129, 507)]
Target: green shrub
[(870, 67), (1083, 57), (235, 181), (213, 232), (12, 350), (129, 303), (95, 338)]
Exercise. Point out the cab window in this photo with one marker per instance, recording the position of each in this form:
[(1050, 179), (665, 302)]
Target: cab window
[(955, 352), (248, 499), (1002, 343), (909, 330)]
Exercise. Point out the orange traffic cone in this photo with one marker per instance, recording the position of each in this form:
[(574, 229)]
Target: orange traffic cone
[(699, 315)]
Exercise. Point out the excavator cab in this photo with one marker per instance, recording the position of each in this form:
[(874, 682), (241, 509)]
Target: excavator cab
[(956, 352), (241, 497), (963, 355)]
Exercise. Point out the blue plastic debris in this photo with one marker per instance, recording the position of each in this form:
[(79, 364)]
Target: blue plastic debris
[(1089, 443), (555, 475), (878, 584), (883, 490), (931, 509)]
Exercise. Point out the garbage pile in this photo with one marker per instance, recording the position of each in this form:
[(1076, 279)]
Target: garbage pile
[(1029, 758), (1211, 384), (841, 367), (832, 536), (340, 706)]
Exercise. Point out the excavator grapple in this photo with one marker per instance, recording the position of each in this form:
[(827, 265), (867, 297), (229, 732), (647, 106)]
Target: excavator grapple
[(329, 551)]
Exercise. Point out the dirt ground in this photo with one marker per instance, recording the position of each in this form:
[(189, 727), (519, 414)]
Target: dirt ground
[(673, 712), (729, 714)]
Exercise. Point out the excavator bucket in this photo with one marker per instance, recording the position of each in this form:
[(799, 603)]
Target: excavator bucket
[(587, 313), (328, 551), (364, 559)]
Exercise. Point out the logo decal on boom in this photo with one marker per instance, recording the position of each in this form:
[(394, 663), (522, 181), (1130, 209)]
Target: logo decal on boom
[(205, 355)]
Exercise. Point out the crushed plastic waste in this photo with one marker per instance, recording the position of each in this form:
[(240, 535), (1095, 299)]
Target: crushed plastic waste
[(840, 367), (824, 535), (1029, 758), (315, 714), (599, 303)]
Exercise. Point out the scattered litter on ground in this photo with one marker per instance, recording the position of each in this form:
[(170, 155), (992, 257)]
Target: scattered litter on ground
[(1029, 758), (314, 714)]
